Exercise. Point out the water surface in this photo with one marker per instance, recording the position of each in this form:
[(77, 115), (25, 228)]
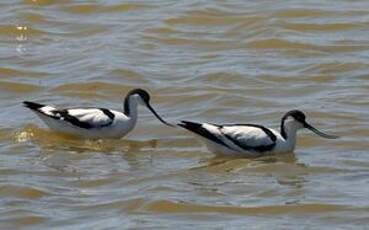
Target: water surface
[(218, 61)]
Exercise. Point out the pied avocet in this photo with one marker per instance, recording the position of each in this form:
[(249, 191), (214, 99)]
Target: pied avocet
[(252, 139), (95, 123)]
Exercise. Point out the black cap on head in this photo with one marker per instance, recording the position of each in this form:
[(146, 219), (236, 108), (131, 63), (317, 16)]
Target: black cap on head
[(141, 92), (297, 115)]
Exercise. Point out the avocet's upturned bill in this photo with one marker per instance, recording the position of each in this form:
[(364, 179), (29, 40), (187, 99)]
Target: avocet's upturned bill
[(95, 123), (251, 139)]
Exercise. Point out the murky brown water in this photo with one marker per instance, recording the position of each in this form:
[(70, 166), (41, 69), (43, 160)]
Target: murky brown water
[(219, 61)]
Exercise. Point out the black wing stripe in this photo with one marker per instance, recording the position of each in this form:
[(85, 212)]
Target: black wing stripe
[(64, 115), (268, 132), (198, 129), (108, 113)]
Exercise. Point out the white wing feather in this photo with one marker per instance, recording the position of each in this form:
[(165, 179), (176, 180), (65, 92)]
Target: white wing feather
[(247, 135), (94, 117)]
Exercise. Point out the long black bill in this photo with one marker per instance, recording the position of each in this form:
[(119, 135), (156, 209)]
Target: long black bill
[(157, 115), (319, 132)]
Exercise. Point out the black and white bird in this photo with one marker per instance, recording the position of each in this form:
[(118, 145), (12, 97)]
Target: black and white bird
[(95, 123), (252, 139)]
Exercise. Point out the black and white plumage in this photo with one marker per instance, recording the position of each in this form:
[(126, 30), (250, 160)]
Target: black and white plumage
[(251, 139), (95, 123)]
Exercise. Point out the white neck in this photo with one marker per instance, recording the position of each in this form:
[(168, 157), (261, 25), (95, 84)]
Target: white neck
[(290, 128), (130, 107), (291, 132)]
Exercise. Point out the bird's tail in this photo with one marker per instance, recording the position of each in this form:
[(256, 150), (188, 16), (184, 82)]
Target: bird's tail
[(196, 128), (200, 130), (191, 126), (33, 105)]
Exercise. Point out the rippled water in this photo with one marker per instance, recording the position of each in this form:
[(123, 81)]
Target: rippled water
[(219, 61)]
